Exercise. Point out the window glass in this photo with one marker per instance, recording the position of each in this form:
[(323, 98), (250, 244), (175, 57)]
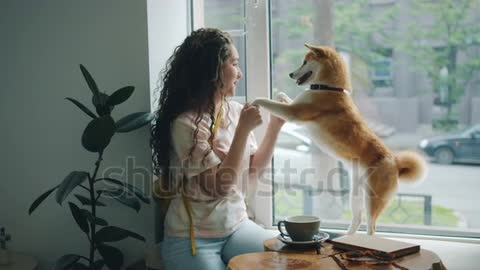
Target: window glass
[(228, 15), (288, 140), (415, 73), (416, 85), (224, 14)]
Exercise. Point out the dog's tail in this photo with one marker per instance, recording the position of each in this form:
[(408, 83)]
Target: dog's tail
[(411, 166)]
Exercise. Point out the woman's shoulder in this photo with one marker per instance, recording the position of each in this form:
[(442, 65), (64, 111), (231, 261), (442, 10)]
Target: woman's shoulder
[(191, 121), (185, 118)]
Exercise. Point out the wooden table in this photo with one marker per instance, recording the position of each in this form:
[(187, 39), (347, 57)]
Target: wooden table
[(280, 256)]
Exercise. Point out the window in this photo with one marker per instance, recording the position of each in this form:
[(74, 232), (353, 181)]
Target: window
[(292, 139), (246, 21), (382, 69), (228, 16), (273, 34)]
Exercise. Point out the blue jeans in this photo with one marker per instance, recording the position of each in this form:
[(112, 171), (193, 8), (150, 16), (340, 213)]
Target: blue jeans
[(213, 253)]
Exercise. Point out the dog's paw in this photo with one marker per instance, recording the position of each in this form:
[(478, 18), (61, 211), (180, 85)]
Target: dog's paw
[(350, 232), (258, 102), (352, 229), (282, 97)]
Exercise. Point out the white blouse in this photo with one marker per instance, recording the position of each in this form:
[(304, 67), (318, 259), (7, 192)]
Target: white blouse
[(212, 216)]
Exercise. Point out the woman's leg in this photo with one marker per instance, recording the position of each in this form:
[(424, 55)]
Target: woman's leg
[(247, 238), (177, 254)]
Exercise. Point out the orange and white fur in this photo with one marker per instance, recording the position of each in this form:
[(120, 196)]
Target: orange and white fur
[(336, 126)]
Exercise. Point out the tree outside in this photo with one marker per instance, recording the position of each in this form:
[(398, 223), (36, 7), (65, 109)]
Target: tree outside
[(441, 40), (447, 51), (417, 63), (348, 27)]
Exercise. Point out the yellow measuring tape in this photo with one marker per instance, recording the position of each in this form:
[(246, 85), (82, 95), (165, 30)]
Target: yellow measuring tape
[(192, 228), (186, 202)]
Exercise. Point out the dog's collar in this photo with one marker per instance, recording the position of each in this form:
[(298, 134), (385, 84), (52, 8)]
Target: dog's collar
[(327, 87)]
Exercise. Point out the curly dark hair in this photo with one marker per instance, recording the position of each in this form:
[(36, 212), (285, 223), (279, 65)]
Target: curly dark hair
[(190, 80)]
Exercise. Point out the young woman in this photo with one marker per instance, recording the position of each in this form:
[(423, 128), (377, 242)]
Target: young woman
[(204, 143)]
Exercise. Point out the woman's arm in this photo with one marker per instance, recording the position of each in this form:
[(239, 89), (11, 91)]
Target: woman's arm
[(218, 181), (264, 153)]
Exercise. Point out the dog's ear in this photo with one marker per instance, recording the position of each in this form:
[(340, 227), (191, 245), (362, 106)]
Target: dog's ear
[(310, 47), (319, 51)]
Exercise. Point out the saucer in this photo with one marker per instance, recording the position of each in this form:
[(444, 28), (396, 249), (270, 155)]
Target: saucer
[(318, 238)]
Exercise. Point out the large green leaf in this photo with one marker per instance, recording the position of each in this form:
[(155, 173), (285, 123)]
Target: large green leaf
[(130, 187), (120, 96), (133, 121), (82, 107), (90, 81), (72, 180), (99, 99), (100, 103), (92, 219), (86, 201), (113, 257), (141, 196), (66, 261), (79, 218), (40, 199), (98, 133), (99, 264), (123, 197), (114, 234)]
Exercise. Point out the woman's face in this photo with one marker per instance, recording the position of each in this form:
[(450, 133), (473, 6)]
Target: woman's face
[(231, 73)]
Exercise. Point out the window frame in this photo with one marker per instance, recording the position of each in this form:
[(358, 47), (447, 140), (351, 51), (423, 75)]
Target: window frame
[(258, 83), (258, 66)]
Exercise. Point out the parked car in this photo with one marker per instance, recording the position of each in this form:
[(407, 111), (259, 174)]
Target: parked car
[(297, 160), (296, 150), (459, 147), (292, 144)]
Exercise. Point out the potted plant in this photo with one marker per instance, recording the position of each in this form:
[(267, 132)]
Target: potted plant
[(95, 138), (4, 252)]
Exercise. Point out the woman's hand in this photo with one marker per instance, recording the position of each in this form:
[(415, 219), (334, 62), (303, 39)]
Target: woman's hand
[(277, 121), (250, 118)]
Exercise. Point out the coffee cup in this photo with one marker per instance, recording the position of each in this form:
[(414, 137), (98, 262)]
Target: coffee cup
[(299, 228)]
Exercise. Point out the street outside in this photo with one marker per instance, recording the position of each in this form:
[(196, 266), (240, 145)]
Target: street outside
[(452, 186)]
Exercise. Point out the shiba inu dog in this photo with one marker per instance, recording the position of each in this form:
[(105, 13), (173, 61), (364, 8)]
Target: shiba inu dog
[(336, 126)]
